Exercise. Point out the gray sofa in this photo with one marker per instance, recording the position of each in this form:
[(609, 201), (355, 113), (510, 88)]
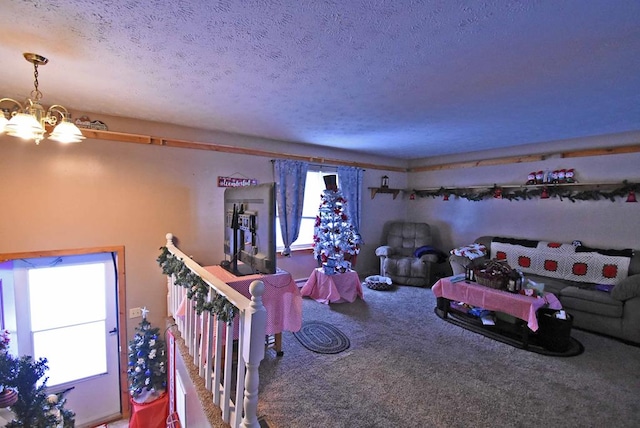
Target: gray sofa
[(613, 313)]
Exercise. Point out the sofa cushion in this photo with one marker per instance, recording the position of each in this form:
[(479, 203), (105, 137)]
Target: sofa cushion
[(590, 301), (627, 288)]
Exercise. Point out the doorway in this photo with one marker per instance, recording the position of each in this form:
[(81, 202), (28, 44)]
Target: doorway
[(66, 306)]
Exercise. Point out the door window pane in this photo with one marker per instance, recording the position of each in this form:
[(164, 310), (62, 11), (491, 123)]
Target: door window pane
[(66, 295), (72, 353)]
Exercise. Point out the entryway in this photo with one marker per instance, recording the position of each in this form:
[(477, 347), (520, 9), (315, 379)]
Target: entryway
[(64, 306)]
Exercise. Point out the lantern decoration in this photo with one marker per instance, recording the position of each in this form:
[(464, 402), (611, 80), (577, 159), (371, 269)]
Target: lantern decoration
[(497, 193), (412, 196), (632, 196), (445, 197), (544, 194), (385, 182)]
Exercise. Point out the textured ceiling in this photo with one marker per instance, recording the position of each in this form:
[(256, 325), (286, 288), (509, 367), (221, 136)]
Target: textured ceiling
[(405, 79)]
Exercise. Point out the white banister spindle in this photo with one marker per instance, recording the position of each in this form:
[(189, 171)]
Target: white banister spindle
[(256, 318), (210, 352)]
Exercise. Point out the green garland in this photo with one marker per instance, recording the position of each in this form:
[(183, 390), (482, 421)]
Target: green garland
[(197, 289), (524, 193)]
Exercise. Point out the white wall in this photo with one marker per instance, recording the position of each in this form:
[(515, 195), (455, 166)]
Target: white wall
[(102, 193), (596, 223)]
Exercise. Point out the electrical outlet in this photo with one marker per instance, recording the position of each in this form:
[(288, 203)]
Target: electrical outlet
[(135, 312)]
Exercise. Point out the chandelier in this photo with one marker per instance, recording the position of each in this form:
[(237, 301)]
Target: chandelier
[(28, 122)]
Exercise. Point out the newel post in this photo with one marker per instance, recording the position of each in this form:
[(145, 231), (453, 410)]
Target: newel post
[(256, 317)]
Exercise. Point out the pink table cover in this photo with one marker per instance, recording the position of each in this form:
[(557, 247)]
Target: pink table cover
[(517, 305), (281, 297), (338, 288)]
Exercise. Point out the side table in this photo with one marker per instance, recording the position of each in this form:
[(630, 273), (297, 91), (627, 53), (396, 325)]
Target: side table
[(338, 288)]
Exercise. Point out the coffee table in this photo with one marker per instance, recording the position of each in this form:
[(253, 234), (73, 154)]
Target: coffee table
[(522, 308)]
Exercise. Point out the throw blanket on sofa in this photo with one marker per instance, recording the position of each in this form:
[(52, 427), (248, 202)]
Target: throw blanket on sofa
[(565, 261)]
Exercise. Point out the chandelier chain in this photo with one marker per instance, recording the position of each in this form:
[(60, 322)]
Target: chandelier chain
[(36, 94)]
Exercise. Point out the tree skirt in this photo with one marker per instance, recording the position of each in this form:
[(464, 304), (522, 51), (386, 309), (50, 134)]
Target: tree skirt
[(322, 337)]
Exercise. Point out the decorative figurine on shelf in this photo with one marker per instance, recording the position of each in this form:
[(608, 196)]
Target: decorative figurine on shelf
[(554, 177), (562, 176), (539, 177), (385, 182), (569, 176), (531, 178)]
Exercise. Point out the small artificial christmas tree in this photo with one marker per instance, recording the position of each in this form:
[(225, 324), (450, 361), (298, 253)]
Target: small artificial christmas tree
[(334, 237), (147, 369)]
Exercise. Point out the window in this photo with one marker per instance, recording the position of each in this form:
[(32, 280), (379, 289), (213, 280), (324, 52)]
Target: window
[(313, 189)]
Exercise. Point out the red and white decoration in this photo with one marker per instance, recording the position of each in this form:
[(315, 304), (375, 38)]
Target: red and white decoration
[(559, 260), (471, 251)]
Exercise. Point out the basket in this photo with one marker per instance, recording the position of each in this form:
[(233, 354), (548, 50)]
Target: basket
[(377, 282), (499, 282), (493, 274)]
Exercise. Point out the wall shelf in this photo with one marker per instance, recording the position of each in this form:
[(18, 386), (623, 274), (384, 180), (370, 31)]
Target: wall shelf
[(376, 190), (570, 191)]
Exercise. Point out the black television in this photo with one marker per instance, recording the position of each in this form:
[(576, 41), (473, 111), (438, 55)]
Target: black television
[(249, 229)]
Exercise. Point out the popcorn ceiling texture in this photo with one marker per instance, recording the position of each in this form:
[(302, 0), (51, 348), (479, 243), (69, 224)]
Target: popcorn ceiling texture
[(398, 78)]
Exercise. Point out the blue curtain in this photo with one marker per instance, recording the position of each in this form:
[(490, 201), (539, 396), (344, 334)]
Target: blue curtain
[(292, 176), (350, 179)]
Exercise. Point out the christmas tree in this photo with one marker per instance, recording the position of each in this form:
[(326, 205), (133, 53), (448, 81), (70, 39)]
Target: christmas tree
[(334, 236), (147, 370)]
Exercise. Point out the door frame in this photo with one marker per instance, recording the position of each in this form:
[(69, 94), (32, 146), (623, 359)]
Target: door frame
[(121, 304)]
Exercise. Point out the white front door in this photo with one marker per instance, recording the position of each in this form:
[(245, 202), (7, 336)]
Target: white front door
[(66, 312)]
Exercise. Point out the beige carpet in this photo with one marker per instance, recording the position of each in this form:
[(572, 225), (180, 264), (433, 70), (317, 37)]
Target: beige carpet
[(408, 368)]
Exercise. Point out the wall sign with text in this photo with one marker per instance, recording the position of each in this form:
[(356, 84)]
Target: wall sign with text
[(236, 182)]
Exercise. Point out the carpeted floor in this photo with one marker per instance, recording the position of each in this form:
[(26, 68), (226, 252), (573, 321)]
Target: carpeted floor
[(408, 368)]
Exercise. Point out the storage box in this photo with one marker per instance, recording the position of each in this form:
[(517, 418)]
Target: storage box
[(554, 333)]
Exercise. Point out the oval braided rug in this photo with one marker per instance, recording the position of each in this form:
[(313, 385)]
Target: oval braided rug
[(322, 337)]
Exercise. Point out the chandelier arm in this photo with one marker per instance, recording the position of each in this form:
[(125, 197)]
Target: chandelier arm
[(57, 108), (13, 101)]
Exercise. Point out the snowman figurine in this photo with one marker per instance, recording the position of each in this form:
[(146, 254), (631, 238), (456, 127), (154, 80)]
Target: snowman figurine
[(531, 178), (569, 176)]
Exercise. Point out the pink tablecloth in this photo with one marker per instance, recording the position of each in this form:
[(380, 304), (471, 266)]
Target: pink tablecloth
[(338, 288), (517, 305), (281, 297)]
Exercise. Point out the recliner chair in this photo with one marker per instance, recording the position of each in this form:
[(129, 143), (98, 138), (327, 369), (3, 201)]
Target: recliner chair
[(408, 257)]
